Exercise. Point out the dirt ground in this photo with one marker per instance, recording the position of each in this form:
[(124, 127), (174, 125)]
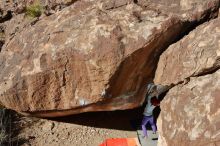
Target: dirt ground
[(89, 129), (50, 133)]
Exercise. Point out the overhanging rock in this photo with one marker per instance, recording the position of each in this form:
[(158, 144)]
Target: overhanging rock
[(93, 55)]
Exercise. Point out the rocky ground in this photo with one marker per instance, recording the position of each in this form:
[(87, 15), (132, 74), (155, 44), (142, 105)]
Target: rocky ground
[(89, 129), (52, 133)]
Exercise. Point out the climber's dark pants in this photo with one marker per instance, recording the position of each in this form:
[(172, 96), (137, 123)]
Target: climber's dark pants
[(148, 119)]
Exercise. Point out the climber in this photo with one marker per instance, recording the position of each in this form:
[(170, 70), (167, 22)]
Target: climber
[(152, 102)]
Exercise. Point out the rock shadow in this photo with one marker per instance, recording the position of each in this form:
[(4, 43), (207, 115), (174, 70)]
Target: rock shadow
[(157, 110), (126, 120)]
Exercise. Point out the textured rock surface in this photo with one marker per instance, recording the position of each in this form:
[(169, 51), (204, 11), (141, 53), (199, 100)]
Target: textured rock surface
[(11, 22), (196, 54), (92, 56), (9, 7), (190, 113), (14, 26)]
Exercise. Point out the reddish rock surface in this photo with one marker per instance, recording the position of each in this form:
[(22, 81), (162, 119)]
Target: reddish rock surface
[(194, 55), (8, 7), (190, 112), (14, 17), (93, 55)]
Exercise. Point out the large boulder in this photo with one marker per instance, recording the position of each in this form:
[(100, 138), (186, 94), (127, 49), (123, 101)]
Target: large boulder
[(190, 111), (93, 55), (15, 15), (194, 55)]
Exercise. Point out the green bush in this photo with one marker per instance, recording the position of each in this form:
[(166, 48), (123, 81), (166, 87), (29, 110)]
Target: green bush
[(34, 10)]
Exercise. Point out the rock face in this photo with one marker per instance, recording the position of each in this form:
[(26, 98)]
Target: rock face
[(190, 112), (193, 55), (9, 7), (13, 15), (93, 55)]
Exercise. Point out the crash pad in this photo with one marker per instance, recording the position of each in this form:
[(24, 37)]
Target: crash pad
[(121, 142)]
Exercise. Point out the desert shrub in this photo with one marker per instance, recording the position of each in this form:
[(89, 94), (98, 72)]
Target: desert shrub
[(3, 137), (11, 124), (9, 128), (4, 126), (34, 10)]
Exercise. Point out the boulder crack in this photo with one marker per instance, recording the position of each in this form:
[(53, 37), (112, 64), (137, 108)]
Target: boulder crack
[(64, 72)]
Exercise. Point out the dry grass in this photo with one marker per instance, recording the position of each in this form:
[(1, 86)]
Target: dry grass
[(4, 126), (9, 128), (34, 10)]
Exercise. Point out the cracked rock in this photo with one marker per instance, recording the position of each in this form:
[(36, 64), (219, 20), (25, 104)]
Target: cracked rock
[(190, 111)]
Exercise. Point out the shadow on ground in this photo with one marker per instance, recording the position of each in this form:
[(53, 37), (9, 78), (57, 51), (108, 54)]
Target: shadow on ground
[(121, 120), (129, 120)]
